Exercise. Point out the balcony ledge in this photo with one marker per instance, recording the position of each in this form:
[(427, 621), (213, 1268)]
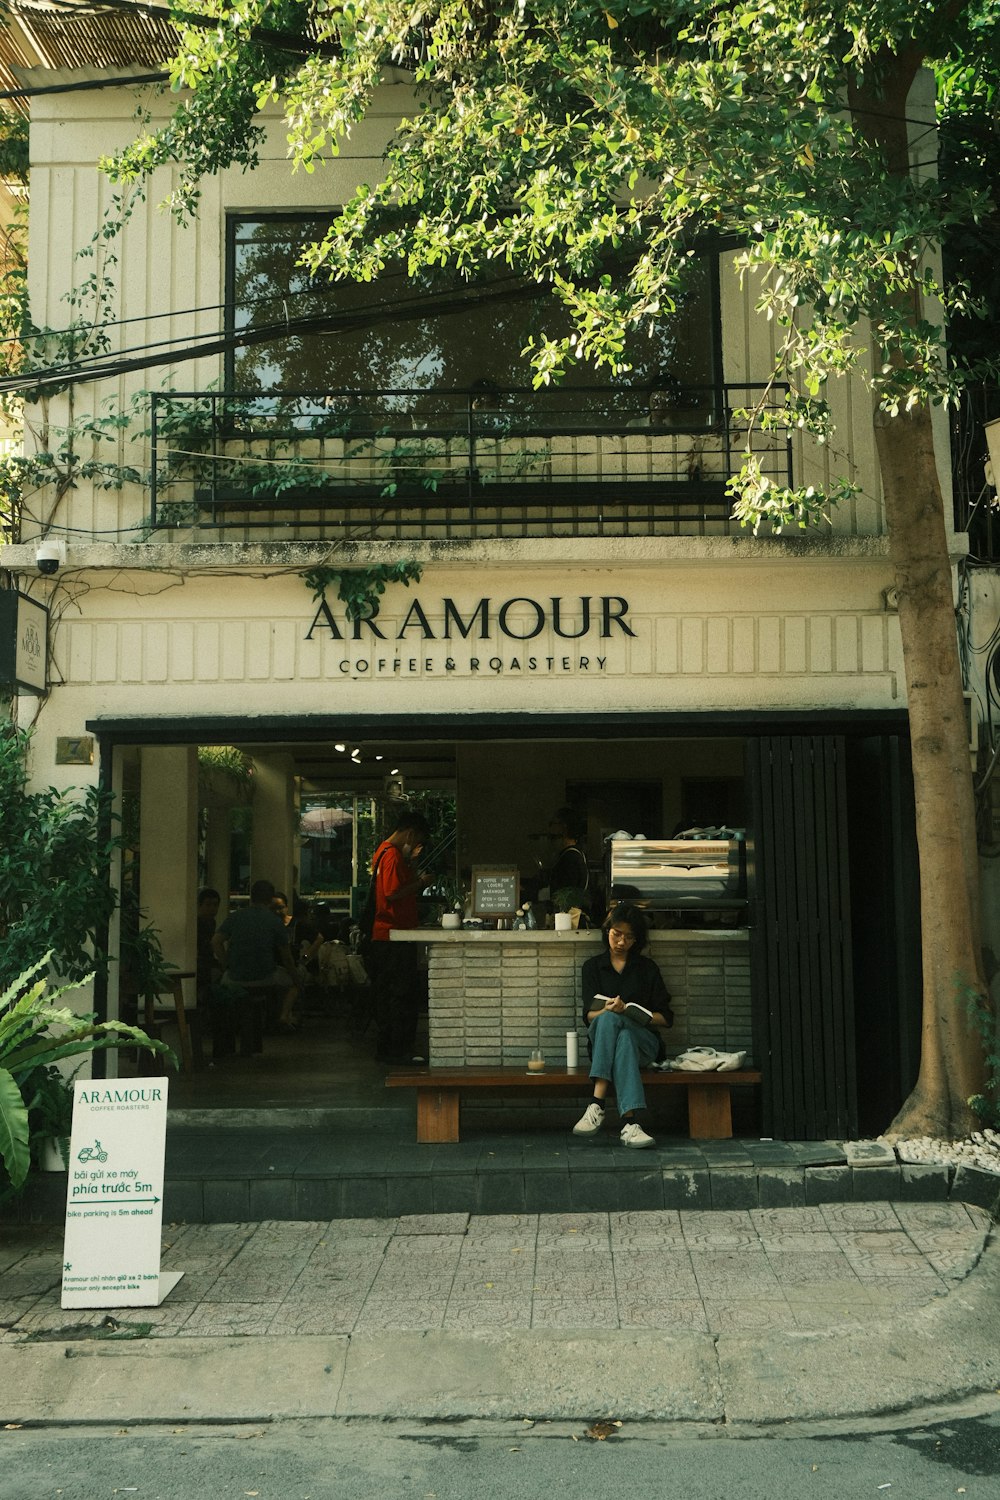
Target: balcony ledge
[(534, 553)]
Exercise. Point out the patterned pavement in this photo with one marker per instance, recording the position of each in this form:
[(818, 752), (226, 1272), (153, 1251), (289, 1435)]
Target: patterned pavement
[(835, 1265)]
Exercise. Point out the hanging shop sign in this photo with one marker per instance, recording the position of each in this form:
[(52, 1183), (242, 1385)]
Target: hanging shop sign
[(114, 1199), (24, 625)]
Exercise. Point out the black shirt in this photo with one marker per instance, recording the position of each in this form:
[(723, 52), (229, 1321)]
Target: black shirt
[(640, 980), (569, 872)]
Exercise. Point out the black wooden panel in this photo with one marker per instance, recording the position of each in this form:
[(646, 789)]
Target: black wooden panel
[(803, 999)]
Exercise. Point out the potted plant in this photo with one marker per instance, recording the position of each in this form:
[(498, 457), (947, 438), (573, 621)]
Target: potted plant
[(35, 1034), (567, 900)]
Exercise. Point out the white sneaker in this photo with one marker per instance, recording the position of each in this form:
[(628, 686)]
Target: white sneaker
[(590, 1121), (634, 1135)]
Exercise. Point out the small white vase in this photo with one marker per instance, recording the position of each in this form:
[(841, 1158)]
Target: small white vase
[(50, 1158), (563, 922)]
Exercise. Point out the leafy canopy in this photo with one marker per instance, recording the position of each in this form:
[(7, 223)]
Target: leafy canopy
[(592, 146)]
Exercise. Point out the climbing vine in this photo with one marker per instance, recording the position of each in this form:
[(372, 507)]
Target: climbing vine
[(360, 589)]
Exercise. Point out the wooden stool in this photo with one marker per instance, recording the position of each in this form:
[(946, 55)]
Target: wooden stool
[(173, 986)]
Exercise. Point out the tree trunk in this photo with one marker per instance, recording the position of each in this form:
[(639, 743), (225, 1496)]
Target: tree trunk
[(952, 1064), (951, 1055)]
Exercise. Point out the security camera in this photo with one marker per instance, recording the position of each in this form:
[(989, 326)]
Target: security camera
[(49, 556)]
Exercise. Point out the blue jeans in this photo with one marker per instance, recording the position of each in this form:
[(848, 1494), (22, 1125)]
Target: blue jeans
[(618, 1049)]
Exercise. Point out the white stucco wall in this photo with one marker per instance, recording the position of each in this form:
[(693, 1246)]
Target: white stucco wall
[(810, 632)]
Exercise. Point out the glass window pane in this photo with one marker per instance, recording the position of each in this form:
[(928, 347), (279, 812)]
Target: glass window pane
[(469, 340)]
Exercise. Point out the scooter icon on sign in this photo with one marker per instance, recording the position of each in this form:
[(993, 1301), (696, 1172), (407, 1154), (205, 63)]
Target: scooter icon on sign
[(96, 1152)]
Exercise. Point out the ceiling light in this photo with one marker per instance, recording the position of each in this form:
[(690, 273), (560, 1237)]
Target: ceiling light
[(378, 757), (341, 748), (394, 771)]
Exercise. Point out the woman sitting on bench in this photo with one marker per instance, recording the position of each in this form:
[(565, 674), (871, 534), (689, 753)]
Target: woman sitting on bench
[(624, 1003)]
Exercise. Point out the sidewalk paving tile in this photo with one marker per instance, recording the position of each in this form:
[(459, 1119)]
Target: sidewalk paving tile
[(732, 1272), (798, 1268), (856, 1216), (237, 1290), (884, 1265), (749, 1315), (461, 1317), (399, 1314), (190, 1288), (433, 1224), (675, 1314), (567, 1312), (937, 1216), (294, 1319), (826, 1315), (888, 1239), (226, 1318)]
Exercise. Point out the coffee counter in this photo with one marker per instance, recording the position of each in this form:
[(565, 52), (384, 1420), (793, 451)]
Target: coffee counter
[(494, 996)]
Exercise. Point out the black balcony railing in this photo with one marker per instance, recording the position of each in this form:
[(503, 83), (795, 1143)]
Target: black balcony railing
[(444, 463)]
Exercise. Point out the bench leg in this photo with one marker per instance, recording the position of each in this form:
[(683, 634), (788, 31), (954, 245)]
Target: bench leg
[(437, 1115), (710, 1112)]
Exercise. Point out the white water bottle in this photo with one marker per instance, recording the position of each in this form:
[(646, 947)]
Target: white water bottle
[(572, 1051)]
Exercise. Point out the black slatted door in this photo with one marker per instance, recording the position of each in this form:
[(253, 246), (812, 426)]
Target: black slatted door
[(801, 936)]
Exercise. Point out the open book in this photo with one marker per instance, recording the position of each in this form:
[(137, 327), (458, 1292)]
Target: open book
[(637, 1012)]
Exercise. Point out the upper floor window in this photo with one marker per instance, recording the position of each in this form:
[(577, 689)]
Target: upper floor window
[(466, 341)]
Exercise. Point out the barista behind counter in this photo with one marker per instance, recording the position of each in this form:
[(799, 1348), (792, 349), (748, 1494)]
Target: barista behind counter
[(569, 870)]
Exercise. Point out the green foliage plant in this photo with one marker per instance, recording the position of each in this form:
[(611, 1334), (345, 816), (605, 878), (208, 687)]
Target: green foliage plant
[(360, 589), (35, 1034), (230, 763), (54, 848), (48, 1094), (590, 144)]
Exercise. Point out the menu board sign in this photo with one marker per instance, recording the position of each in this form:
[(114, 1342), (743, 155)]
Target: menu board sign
[(495, 890), (114, 1201)]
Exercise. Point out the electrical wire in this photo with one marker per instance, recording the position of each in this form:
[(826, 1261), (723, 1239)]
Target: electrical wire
[(82, 86), (190, 312), (91, 368)]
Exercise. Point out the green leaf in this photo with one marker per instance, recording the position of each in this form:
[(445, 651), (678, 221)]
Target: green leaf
[(13, 1130)]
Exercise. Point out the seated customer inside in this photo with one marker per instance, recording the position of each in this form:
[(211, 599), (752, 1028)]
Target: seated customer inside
[(625, 1003)]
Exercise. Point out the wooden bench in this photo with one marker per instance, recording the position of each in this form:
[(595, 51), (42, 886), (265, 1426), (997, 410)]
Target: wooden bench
[(709, 1097)]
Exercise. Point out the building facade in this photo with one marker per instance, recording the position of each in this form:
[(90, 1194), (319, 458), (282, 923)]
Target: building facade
[(589, 625)]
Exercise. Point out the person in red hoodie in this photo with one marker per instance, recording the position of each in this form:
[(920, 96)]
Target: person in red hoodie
[(395, 977)]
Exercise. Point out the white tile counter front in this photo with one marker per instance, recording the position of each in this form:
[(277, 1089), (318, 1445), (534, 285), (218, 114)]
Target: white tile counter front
[(494, 996)]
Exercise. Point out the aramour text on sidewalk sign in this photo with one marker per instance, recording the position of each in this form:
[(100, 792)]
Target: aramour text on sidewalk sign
[(114, 1199)]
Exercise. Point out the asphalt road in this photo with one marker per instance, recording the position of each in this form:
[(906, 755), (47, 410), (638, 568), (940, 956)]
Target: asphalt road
[(332, 1459)]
